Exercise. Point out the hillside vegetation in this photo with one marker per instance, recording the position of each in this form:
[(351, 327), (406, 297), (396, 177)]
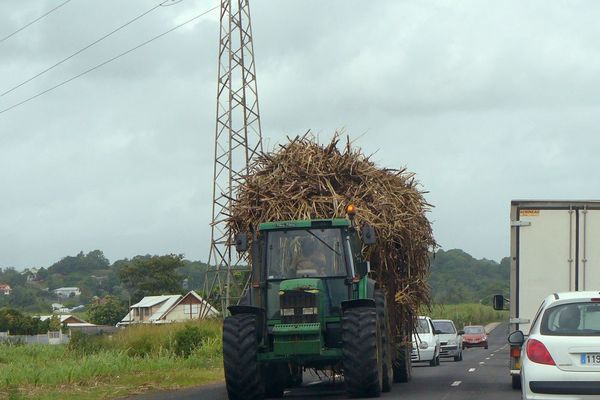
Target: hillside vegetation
[(456, 277)]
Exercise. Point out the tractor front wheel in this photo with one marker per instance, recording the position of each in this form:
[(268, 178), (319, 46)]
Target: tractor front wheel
[(243, 373), (361, 352)]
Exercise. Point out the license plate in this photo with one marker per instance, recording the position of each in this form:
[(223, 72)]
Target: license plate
[(590, 358)]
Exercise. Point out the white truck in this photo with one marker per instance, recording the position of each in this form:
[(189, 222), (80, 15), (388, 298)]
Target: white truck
[(552, 250)]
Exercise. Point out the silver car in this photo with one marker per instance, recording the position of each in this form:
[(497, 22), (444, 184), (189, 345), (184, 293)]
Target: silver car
[(450, 339)]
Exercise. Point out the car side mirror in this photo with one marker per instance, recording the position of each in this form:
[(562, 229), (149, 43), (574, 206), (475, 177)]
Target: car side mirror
[(517, 338), (368, 235), (241, 242), (498, 302), (461, 333)]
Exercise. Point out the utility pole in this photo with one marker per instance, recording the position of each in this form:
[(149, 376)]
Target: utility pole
[(238, 140)]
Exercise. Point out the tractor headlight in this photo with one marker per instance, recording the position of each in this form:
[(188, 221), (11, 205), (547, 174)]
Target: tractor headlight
[(309, 311), (423, 345), (285, 312)]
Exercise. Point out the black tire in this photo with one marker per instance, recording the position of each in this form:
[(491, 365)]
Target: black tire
[(243, 373), (403, 365), (361, 352), (458, 357), (388, 371), (516, 382), (433, 362)]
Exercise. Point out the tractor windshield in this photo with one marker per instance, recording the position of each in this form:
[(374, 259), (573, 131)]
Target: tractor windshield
[(300, 253)]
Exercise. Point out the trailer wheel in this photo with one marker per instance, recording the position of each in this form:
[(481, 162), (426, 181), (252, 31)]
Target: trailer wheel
[(403, 366), (516, 382), (243, 373), (382, 314), (361, 352)]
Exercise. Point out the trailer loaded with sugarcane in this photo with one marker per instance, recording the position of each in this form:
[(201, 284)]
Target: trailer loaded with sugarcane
[(339, 250)]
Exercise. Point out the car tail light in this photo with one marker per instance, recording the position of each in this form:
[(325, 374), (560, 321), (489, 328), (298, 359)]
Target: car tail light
[(515, 352), (538, 353)]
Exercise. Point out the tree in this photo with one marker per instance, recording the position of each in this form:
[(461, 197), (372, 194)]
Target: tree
[(152, 275), (107, 311)]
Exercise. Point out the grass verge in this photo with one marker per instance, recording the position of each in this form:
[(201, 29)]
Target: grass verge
[(135, 360)]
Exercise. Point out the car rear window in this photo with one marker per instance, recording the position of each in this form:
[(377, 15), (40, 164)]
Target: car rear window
[(473, 330), (444, 326), (572, 319)]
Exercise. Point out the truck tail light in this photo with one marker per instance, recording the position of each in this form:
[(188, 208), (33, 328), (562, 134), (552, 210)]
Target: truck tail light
[(538, 353), (515, 352)]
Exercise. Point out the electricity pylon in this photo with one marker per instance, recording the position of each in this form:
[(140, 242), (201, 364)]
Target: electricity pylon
[(238, 140)]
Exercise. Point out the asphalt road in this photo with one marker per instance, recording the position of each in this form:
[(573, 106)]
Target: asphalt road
[(483, 374)]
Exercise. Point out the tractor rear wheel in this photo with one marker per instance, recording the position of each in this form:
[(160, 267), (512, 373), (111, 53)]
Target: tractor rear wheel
[(361, 352), (243, 373), (388, 372)]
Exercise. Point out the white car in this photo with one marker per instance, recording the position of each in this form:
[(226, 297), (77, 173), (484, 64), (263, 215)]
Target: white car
[(561, 357), (451, 342), (425, 343)]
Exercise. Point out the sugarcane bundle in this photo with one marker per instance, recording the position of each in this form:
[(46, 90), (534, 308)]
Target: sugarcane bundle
[(302, 179)]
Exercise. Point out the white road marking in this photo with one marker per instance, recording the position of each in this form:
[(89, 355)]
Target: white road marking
[(492, 355), (471, 369), (481, 362), (456, 383), (487, 358)]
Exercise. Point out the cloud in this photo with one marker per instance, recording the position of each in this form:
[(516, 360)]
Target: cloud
[(485, 101)]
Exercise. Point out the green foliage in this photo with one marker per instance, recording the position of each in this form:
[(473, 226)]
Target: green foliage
[(456, 277), (107, 311), (91, 261), (142, 346), (54, 323), (152, 275), (466, 314), (82, 344), (187, 340), (18, 323)]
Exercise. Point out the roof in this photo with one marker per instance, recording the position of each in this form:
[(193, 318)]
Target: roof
[(150, 301), (63, 318), (567, 296), (67, 288)]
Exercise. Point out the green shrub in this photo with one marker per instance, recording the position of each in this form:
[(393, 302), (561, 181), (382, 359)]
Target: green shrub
[(85, 344), (141, 346), (187, 340)]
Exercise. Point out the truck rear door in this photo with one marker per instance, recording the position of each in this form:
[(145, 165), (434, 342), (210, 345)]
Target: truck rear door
[(589, 249), (544, 248)]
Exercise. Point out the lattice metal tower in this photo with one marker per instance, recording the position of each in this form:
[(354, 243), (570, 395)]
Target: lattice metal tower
[(238, 140)]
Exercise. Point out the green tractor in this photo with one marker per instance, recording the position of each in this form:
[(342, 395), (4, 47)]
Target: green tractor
[(311, 305)]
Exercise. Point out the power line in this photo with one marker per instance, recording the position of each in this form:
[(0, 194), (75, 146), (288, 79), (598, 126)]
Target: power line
[(34, 21), (107, 61), (164, 3)]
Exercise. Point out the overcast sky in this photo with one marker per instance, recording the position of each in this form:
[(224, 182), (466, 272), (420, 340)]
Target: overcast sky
[(485, 101)]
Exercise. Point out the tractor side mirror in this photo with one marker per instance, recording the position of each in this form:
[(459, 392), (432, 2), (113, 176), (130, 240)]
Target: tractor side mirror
[(368, 235), (498, 302), (241, 242)]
